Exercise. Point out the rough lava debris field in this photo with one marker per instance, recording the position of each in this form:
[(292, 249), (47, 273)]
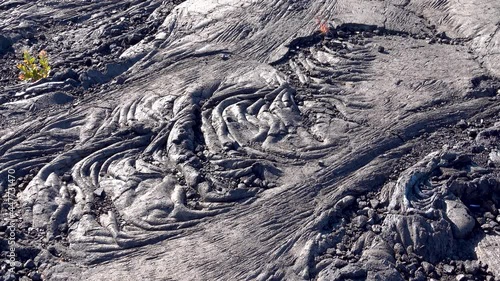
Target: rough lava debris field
[(251, 140)]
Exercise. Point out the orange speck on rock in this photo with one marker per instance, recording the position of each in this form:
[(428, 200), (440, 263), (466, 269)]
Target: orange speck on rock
[(323, 26)]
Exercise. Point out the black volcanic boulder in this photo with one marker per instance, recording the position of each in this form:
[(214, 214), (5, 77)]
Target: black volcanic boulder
[(5, 44)]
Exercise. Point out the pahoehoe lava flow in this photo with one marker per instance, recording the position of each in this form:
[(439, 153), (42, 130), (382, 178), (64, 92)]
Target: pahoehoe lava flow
[(236, 140)]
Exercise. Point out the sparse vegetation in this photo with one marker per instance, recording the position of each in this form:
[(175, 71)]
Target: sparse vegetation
[(33, 69), (324, 28)]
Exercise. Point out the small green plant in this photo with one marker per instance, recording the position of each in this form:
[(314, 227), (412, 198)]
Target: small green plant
[(33, 69)]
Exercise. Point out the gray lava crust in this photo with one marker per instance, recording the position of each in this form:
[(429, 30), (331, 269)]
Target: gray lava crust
[(231, 140)]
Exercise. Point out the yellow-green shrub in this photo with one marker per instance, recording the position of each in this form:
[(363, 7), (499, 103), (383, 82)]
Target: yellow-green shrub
[(33, 69)]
